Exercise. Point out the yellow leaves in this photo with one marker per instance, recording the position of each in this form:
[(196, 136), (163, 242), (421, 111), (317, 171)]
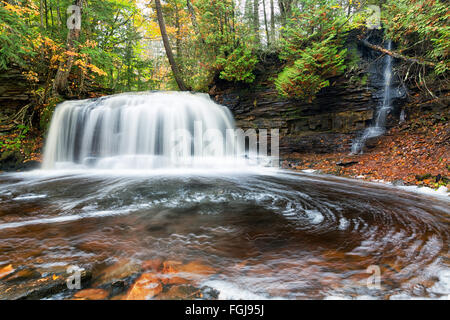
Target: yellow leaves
[(83, 65), (13, 8), (96, 70), (171, 30), (21, 10), (90, 44), (55, 59), (71, 53), (80, 63), (31, 76)]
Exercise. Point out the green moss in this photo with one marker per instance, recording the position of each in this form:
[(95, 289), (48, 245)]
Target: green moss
[(47, 112)]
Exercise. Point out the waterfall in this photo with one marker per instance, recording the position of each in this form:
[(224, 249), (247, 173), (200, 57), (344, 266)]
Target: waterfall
[(379, 126), (142, 131)]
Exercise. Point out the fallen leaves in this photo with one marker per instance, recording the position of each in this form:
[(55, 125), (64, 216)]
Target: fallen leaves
[(404, 153)]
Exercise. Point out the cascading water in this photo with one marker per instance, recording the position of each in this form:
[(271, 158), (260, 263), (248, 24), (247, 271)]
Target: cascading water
[(385, 107), (251, 235), (142, 131)]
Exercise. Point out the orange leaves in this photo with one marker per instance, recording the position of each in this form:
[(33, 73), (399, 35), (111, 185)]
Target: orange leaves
[(90, 44), (400, 155), (96, 70), (31, 76)]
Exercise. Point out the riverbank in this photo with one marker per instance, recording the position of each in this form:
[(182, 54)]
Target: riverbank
[(415, 153)]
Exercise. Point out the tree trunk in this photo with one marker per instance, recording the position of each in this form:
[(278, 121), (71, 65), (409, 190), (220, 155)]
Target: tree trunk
[(272, 20), (265, 23), (60, 82), (285, 10), (46, 14), (41, 13), (178, 33), (256, 19), (58, 13), (169, 53), (194, 20), (397, 55)]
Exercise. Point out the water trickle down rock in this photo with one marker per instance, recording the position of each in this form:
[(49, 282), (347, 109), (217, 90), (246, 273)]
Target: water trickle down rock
[(370, 135)]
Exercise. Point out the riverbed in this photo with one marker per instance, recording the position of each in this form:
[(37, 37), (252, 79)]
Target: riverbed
[(263, 234)]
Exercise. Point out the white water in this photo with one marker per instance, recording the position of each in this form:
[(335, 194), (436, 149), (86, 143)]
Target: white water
[(143, 131), (378, 128)]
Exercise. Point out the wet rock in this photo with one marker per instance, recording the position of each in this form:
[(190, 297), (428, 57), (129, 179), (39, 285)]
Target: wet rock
[(146, 287), (15, 161), (23, 274), (423, 176), (197, 267), (94, 246), (346, 164), (398, 182), (118, 287), (171, 266), (39, 288), (6, 270), (169, 280), (181, 292), (120, 270), (209, 293), (91, 294), (155, 265), (285, 165), (372, 142)]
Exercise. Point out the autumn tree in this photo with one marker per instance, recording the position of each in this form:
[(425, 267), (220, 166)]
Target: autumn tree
[(66, 63), (176, 72)]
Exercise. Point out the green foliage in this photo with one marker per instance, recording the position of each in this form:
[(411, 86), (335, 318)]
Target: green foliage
[(15, 35), (46, 113), (222, 38), (238, 66), (310, 73), (313, 47), (224, 46), (421, 29), (15, 142)]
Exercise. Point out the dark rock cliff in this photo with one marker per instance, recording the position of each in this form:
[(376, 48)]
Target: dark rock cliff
[(327, 124), (15, 91)]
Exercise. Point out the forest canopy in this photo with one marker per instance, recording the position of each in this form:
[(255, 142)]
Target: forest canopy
[(120, 44)]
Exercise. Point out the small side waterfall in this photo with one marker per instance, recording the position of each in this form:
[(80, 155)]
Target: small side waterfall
[(379, 126), (142, 131)]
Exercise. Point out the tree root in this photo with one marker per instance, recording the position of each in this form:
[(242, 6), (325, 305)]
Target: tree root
[(16, 119)]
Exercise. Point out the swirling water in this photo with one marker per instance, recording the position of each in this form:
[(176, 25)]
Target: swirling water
[(268, 234)]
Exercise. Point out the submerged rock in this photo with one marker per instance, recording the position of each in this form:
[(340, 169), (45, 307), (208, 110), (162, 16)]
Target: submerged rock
[(145, 288), (118, 271), (153, 265), (91, 294), (41, 288), (4, 271), (22, 275), (181, 292)]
